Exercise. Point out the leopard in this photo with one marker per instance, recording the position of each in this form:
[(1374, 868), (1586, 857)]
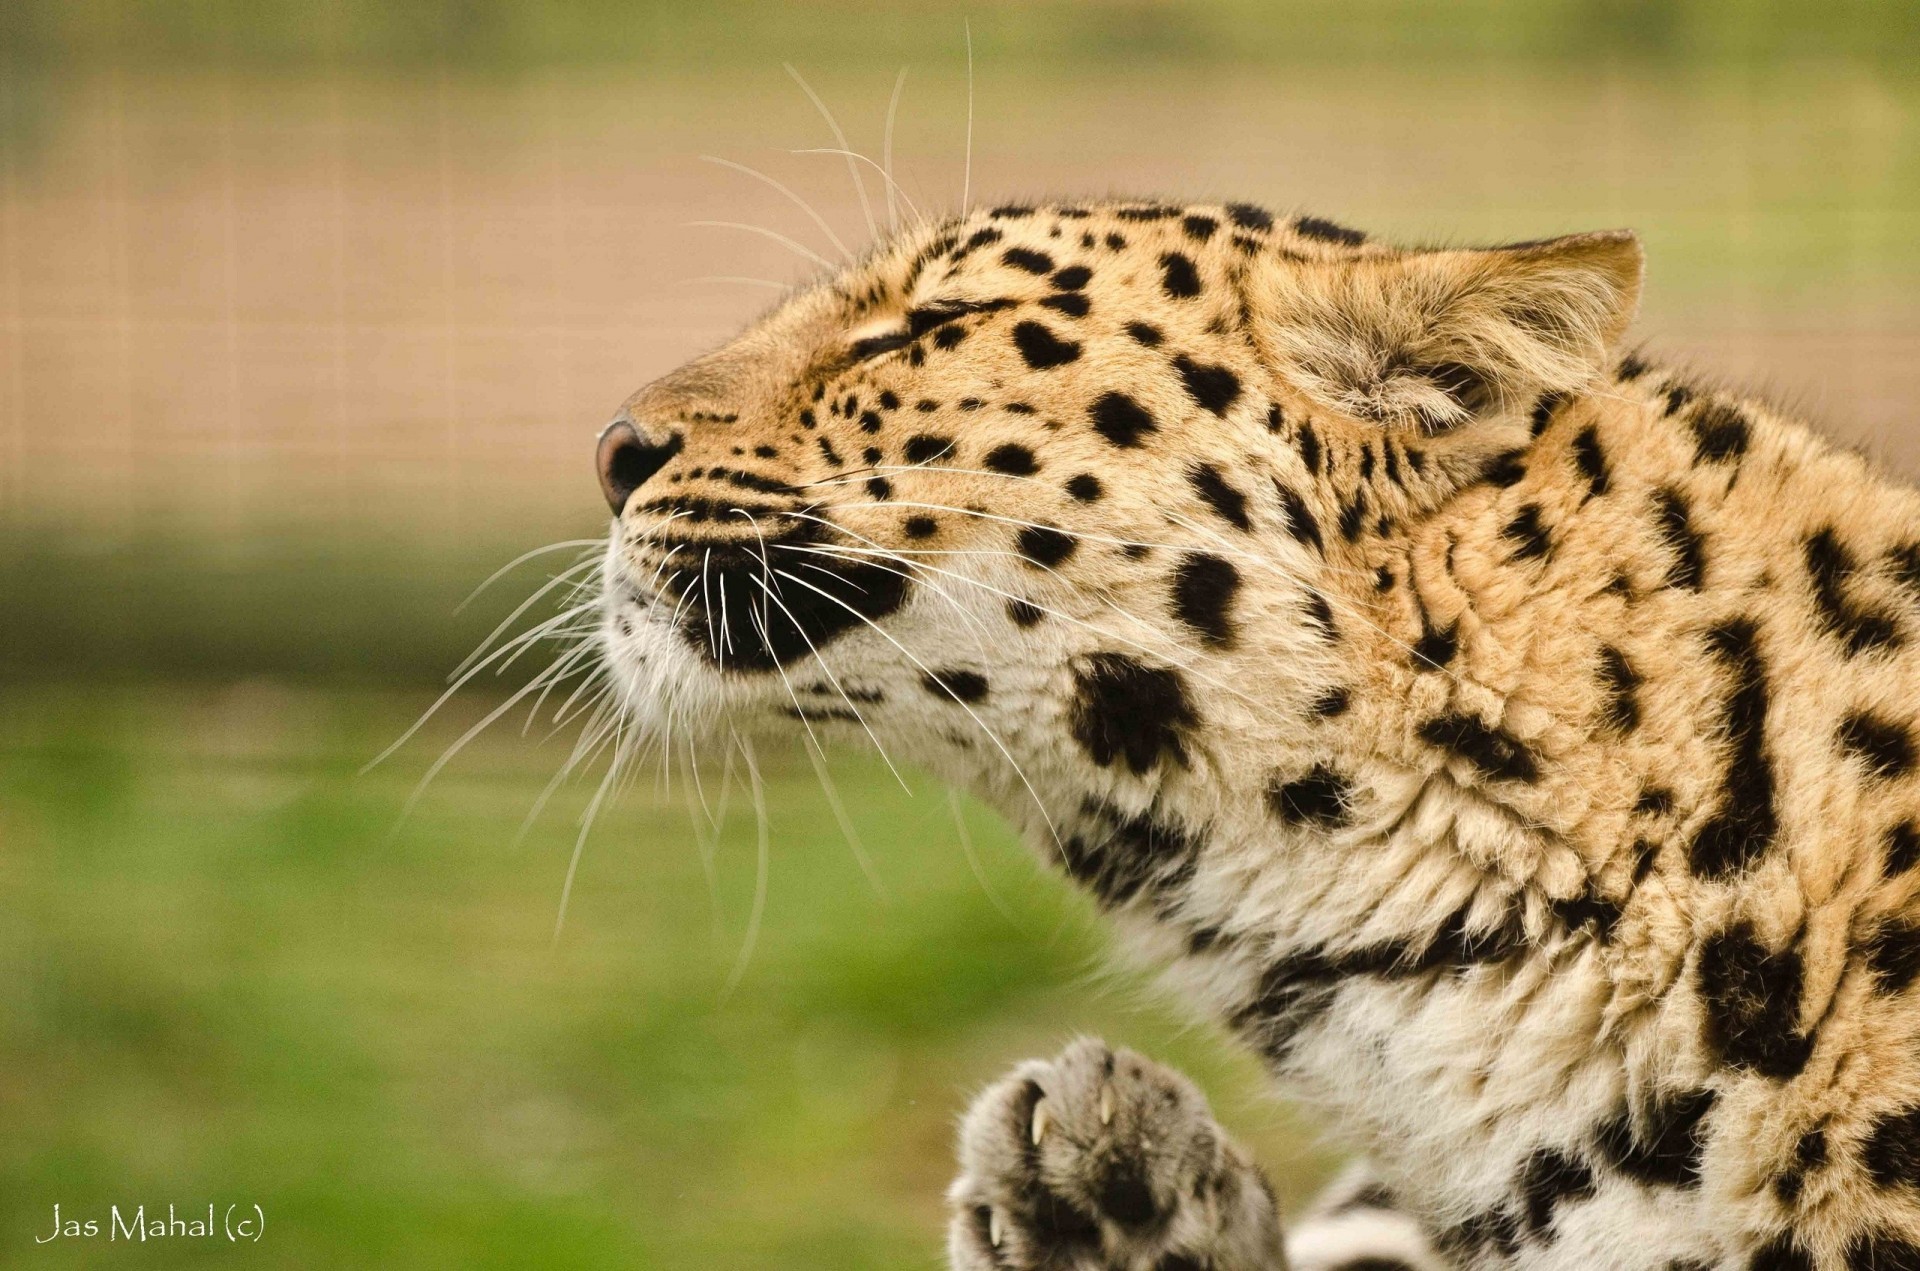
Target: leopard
[(1508, 739)]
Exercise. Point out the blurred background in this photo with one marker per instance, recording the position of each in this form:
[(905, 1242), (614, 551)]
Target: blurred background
[(308, 315)]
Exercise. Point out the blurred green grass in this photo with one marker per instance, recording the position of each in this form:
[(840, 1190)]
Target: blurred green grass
[(505, 34), (229, 977)]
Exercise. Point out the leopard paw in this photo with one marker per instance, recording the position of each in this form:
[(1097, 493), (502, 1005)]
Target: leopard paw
[(1101, 1160)]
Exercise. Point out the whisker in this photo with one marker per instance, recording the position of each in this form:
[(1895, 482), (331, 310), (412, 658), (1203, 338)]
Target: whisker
[(886, 153), (522, 559), (973, 859), (1020, 772), (966, 183), (776, 236), (859, 186), (795, 199), (893, 190), (762, 852)]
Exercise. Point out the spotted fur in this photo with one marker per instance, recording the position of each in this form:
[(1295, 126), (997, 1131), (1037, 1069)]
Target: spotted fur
[(1515, 743)]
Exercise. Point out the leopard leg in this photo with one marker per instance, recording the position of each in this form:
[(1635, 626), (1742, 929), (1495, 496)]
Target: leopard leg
[(1357, 1224), (1101, 1160)]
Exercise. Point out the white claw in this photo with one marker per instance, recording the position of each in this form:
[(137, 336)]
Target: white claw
[(1041, 1120), (1106, 1105), (994, 1233)]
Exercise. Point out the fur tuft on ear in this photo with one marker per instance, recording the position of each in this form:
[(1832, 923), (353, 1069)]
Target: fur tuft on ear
[(1433, 339)]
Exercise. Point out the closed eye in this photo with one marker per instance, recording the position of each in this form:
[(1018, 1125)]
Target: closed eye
[(920, 320), (875, 345)]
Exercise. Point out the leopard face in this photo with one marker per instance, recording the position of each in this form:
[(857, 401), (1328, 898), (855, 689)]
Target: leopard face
[(1027, 496)]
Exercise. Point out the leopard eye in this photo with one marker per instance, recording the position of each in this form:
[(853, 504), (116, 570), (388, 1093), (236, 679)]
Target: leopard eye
[(874, 345)]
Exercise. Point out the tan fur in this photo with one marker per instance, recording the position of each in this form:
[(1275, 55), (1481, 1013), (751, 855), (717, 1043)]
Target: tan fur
[(1478, 641)]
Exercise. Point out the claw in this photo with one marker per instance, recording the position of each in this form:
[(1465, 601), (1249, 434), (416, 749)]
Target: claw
[(1106, 1105), (994, 1231), (1041, 1120)]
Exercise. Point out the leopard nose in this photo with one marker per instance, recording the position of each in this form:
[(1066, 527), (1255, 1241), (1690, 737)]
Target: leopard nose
[(626, 461)]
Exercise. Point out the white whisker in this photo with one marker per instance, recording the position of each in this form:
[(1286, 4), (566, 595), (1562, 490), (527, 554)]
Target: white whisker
[(859, 186)]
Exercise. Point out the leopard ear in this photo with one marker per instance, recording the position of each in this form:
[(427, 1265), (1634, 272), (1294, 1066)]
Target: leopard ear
[(1432, 340)]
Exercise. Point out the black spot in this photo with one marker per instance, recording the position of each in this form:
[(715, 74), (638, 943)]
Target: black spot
[(1024, 614), (1589, 912), (1320, 614), (1884, 746), (1830, 565), (1125, 710), (766, 452), (1544, 410), (1124, 1195), (1071, 303), (1045, 546), (981, 238), (1744, 826), (1893, 955), (1297, 987), (1321, 798), (962, 686), (1782, 1253), (1327, 232), (1619, 683), (1012, 212), (1041, 348), (1549, 1178), (1120, 419), (1882, 1251), (1247, 216), (1115, 241), (1072, 278), (920, 527), (1199, 228), (879, 488), (1891, 1151), (1309, 447), (926, 448), (1436, 645), (872, 454), (1492, 751), (1084, 487), (949, 337), (1335, 701), (1721, 433), (1229, 503), (1145, 333), (1591, 460), (1654, 801), (889, 400), (1675, 521), (1464, 386), (1902, 848), (1751, 999), (1012, 459), (1527, 534), (828, 453), (1809, 1154), (1178, 278), (1031, 261), (1631, 367), (1204, 587), (1677, 398), (1665, 1150), (1152, 212), (1353, 516), (1904, 561), (1116, 854), (1300, 522), (1214, 387), (1506, 469)]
